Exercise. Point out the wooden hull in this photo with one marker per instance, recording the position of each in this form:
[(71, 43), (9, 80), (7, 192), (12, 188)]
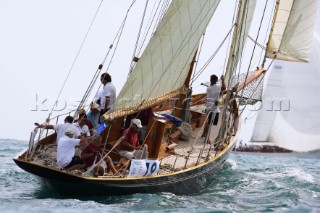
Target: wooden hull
[(184, 182)]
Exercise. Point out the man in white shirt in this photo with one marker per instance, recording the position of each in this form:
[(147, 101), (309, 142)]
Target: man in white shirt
[(108, 94), (61, 128), (82, 128), (66, 151), (212, 102)]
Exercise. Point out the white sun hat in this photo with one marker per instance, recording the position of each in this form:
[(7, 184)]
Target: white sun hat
[(136, 122), (69, 131), (95, 106)]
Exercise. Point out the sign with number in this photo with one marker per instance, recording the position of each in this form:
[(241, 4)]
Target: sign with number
[(140, 168)]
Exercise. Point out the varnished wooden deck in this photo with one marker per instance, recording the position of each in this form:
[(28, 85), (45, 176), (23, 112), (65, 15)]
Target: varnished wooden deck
[(191, 152)]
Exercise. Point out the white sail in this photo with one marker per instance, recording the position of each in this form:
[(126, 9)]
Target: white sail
[(296, 124), (164, 65), (299, 128), (271, 102), (293, 29)]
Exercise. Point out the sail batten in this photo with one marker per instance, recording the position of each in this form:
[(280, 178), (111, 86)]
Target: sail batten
[(164, 65), (292, 32)]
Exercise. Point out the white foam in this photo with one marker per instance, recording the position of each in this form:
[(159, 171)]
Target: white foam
[(233, 164), (300, 174)]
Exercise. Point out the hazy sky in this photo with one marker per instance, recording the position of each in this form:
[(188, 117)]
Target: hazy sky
[(40, 39)]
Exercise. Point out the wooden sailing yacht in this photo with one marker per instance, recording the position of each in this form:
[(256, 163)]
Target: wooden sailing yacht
[(160, 80)]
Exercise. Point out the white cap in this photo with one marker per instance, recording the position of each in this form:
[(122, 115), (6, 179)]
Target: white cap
[(69, 131), (136, 122), (95, 106)]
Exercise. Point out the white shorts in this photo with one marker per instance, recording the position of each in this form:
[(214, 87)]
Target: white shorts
[(137, 154)]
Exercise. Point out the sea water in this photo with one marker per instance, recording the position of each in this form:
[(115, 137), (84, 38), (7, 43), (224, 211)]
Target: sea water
[(250, 182)]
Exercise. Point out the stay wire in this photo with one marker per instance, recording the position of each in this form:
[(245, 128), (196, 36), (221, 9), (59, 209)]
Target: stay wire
[(161, 13), (241, 37), (77, 55), (138, 37), (120, 31), (148, 26), (254, 47), (243, 40), (201, 70), (267, 33), (226, 58), (116, 39), (197, 57)]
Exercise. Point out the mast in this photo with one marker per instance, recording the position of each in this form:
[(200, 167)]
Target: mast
[(271, 30), (183, 103), (242, 25), (236, 40)]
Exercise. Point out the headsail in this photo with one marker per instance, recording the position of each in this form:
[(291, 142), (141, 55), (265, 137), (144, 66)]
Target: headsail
[(290, 113), (290, 110), (271, 102), (292, 32), (162, 69)]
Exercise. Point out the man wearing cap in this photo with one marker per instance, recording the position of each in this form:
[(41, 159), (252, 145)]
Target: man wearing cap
[(61, 128), (129, 146), (66, 151), (83, 117), (144, 116), (82, 127)]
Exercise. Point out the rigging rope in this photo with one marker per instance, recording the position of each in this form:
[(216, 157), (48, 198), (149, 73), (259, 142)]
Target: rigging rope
[(258, 44), (137, 49), (149, 24), (268, 31), (198, 56), (164, 8), (271, 30), (97, 73), (138, 37), (77, 55), (229, 45), (254, 47), (243, 39), (211, 57)]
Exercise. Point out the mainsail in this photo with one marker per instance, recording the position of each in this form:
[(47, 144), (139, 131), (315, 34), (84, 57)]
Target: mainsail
[(163, 67), (290, 110)]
